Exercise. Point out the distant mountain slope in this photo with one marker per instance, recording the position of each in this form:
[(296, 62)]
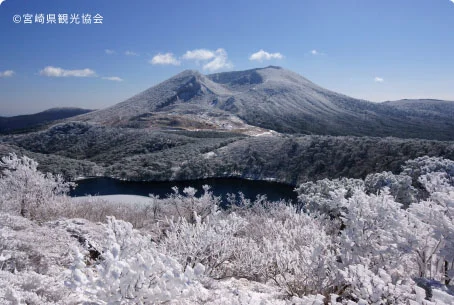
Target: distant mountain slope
[(23, 122), (426, 107), (261, 99)]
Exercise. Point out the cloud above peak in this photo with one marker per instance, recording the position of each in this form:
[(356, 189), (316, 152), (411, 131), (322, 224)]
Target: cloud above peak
[(199, 54), (211, 60), (263, 55), (164, 59), (51, 71), (219, 61)]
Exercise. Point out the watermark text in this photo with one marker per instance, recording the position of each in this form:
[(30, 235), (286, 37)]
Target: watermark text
[(74, 18)]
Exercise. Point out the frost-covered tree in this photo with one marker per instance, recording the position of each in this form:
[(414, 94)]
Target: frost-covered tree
[(324, 198), (374, 225), (420, 167), (400, 186), (298, 255), (366, 287), (132, 271), (286, 247), (437, 214), (424, 165), (424, 239), (187, 205), (26, 191), (212, 241), (320, 196)]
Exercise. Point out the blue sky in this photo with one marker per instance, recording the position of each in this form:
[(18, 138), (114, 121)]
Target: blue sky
[(374, 50)]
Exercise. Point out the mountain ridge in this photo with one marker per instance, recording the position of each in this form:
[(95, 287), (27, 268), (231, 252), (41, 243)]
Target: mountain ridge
[(262, 99), (27, 121)]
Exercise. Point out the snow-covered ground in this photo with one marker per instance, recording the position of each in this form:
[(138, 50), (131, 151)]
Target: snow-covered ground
[(120, 198), (185, 249), (37, 267)]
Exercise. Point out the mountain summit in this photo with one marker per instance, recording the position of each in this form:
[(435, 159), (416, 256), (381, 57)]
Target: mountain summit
[(266, 98)]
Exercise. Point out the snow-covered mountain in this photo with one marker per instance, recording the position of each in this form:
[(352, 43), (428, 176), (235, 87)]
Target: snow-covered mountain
[(426, 107), (267, 98)]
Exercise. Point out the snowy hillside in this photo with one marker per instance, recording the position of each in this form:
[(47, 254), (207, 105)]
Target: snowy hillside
[(254, 101), (83, 149), (385, 239), (428, 107)]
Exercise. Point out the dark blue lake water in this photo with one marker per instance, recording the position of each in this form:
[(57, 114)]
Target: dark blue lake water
[(220, 187)]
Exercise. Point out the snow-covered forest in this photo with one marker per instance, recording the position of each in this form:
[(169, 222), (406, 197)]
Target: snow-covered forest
[(385, 239), (78, 149)]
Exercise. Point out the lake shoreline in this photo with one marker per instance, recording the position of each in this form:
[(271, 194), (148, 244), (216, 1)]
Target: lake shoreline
[(270, 180), (220, 187)]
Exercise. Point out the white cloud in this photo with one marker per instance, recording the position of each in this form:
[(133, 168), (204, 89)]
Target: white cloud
[(378, 80), (199, 54), (59, 72), (7, 73), (220, 61), (131, 53), (212, 60), (263, 55), (113, 78), (109, 52), (164, 59), (316, 52)]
